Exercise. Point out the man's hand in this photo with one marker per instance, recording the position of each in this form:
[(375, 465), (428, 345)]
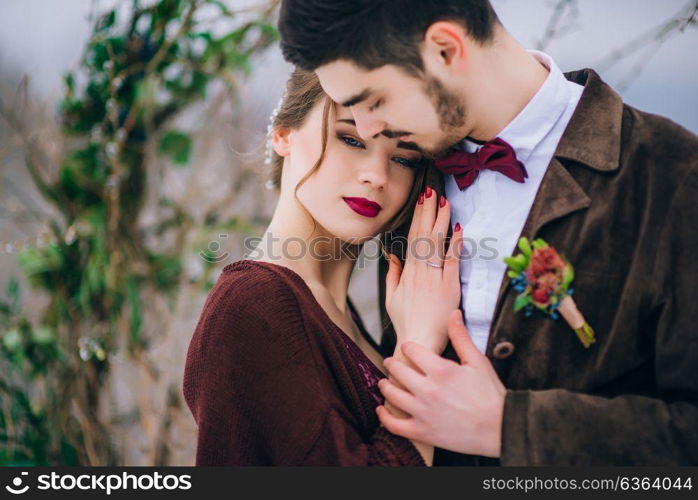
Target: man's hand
[(457, 407)]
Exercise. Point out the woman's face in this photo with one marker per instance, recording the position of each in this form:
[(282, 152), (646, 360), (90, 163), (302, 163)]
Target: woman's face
[(360, 185)]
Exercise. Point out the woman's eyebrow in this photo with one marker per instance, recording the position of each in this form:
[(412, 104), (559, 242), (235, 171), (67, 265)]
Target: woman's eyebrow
[(346, 120)]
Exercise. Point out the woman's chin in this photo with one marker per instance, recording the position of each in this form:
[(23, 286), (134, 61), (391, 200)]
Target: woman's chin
[(356, 237), (350, 230)]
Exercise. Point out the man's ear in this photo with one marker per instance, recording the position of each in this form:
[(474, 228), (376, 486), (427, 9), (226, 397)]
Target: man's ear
[(445, 45), (281, 139)]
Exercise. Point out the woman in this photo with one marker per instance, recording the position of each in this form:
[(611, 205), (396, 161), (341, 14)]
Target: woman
[(280, 369)]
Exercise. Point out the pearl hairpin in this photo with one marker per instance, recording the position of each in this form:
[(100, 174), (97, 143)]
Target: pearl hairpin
[(269, 154)]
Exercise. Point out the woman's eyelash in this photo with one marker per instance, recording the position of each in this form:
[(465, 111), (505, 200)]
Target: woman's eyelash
[(405, 162), (351, 142)]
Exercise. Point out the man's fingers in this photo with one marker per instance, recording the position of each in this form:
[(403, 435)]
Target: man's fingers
[(424, 359), (405, 376), (401, 426), (397, 397), (460, 339)]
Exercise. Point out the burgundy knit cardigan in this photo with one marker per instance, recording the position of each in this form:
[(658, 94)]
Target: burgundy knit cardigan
[(271, 380)]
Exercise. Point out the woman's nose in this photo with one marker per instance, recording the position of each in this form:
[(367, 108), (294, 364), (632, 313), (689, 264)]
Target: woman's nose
[(375, 172)]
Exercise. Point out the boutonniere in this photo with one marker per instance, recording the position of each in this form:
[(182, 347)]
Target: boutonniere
[(543, 278)]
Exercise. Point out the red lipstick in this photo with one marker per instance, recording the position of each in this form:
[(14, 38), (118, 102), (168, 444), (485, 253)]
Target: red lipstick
[(362, 206)]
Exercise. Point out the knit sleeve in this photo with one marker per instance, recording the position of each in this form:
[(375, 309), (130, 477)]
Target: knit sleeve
[(255, 392)]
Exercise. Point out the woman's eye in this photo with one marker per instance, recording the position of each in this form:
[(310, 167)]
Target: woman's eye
[(406, 162), (351, 142)]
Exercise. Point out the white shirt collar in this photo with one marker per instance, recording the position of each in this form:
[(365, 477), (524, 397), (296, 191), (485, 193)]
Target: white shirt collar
[(539, 116)]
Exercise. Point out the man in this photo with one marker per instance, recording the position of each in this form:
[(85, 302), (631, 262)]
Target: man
[(613, 189)]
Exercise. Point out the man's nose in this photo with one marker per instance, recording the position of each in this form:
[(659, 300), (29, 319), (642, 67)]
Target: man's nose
[(367, 126)]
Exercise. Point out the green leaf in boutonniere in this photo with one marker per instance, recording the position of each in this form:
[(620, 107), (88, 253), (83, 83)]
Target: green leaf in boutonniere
[(525, 247), (542, 278), (517, 263), (521, 302)]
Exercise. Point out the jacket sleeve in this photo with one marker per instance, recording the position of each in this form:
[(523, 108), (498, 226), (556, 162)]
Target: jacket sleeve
[(252, 384), (543, 427)]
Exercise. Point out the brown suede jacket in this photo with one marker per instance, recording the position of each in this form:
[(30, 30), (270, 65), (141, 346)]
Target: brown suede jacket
[(620, 201)]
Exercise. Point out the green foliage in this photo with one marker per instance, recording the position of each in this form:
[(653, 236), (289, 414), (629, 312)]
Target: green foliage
[(518, 263), (521, 302), (177, 146), (567, 276), (141, 67), (539, 243), (525, 246)]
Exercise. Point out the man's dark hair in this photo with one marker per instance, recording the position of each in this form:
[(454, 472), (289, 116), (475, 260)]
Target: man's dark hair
[(373, 33)]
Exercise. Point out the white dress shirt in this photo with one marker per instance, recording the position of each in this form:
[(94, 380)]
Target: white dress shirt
[(494, 209)]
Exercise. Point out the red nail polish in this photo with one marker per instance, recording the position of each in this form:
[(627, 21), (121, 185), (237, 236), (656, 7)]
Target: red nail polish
[(428, 192), (457, 228), (442, 201), (420, 200)]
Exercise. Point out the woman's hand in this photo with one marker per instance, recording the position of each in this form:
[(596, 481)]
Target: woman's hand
[(420, 296)]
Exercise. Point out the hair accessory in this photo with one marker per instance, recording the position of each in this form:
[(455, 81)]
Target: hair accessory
[(270, 130)]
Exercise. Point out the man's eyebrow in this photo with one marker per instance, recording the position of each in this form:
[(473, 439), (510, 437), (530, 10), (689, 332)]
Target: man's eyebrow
[(409, 145), (356, 99)]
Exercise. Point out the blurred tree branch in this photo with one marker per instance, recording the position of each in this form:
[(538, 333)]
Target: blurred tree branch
[(648, 43), (563, 9), (97, 270)]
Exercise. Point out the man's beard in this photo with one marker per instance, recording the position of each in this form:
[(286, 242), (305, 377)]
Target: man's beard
[(451, 112)]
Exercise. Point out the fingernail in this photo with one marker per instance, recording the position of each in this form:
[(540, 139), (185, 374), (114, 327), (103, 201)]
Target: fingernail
[(442, 201), (428, 192), (420, 200), (457, 228), (459, 320), (389, 257)]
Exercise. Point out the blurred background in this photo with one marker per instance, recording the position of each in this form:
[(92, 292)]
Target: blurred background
[(131, 144)]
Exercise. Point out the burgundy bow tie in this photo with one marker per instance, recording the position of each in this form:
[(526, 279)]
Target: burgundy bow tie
[(495, 155)]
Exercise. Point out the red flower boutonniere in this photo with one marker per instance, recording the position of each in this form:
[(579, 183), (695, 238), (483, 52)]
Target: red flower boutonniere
[(543, 278)]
